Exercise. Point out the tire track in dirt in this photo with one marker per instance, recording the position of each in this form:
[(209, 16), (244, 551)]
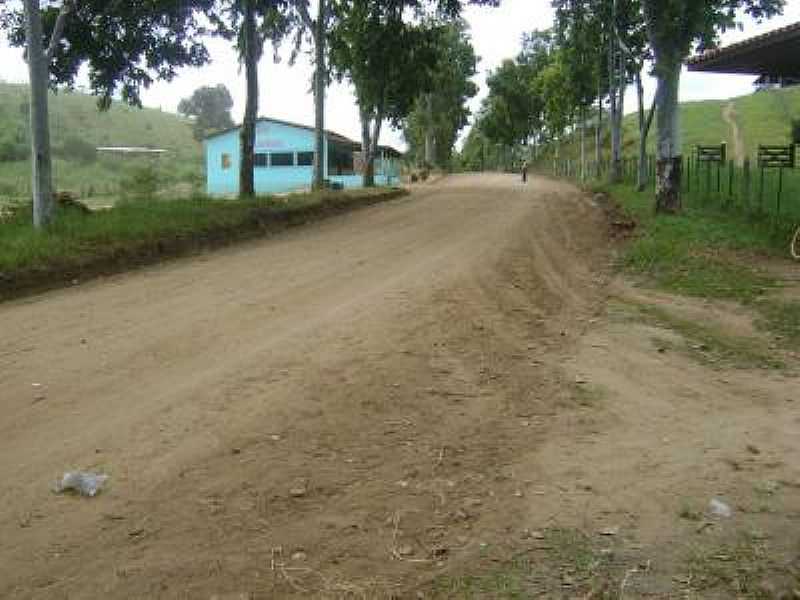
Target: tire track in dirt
[(337, 409)]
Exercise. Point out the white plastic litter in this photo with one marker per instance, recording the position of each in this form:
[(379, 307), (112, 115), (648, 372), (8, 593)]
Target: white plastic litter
[(86, 484), (719, 509)]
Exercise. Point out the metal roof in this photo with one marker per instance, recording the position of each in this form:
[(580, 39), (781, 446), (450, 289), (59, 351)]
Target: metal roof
[(774, 53), (131, 150), (332, 135)]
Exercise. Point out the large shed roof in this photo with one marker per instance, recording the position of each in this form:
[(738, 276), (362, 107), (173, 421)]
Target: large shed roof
[(776, 53)]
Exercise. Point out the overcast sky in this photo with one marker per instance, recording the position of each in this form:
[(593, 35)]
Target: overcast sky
[(496, 34)]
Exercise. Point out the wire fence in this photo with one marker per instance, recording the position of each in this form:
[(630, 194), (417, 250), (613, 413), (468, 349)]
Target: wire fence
[(747, 187)]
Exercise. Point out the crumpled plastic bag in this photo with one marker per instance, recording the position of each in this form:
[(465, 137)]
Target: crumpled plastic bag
[(719, 509), (86, 484)]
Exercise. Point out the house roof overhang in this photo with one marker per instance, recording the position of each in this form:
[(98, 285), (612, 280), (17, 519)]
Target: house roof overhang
[(776, 53), (331, 135)]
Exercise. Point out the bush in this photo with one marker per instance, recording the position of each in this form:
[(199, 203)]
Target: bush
[(795, 132), (77, 149), (143, 182), (14, 144), (12, 150)]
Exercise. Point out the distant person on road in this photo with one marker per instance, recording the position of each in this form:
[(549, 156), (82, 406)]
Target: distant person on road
[(524, 171)]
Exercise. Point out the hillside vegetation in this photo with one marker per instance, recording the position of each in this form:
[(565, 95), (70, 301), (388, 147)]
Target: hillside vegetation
[(761, 117), (77, 128)]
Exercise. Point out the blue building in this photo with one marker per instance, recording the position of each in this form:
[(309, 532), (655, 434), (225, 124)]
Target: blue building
[(284, 159)]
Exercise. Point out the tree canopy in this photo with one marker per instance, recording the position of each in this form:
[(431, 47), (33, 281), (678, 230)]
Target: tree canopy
[(440, 111), (211, 108), (124, 45)]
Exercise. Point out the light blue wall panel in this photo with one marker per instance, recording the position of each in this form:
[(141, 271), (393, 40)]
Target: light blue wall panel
[(222, 177)]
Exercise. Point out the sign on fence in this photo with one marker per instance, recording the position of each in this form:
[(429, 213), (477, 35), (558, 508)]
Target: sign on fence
[(711, 154), (776, 157)]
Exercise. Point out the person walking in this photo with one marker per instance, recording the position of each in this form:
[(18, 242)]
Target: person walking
[(524, 171)]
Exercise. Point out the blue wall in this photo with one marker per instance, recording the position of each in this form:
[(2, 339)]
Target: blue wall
[(272, 137)]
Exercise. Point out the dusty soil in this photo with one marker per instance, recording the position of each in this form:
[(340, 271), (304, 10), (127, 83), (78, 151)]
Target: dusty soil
[(367, 406), (729, 116), (105, 260)]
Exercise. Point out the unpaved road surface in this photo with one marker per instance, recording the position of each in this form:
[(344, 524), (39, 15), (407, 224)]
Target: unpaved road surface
[(353, 409)]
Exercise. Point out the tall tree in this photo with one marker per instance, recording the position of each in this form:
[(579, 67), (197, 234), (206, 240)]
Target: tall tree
[(556, 87), (579, 32), (673, 27), (511, 105), (124, 45), (440, 111), (249, 23), (318, 29), (382, 48), (211, 108)]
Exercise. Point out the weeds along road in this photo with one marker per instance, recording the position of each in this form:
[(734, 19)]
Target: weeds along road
[(295, 414)]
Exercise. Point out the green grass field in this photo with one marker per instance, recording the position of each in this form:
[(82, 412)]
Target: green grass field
[(77, 127), (762, 118), (712, 254)]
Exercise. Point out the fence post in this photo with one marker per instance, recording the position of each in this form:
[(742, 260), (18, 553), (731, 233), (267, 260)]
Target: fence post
[(746, 184), (731, 167), (688, 174)]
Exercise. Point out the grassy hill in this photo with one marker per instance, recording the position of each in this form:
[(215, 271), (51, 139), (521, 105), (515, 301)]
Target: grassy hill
[(77, 128), (761, 117)]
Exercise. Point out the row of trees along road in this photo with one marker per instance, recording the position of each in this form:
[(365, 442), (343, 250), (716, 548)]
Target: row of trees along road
[(596, 49), (378, 45), (440, 110)]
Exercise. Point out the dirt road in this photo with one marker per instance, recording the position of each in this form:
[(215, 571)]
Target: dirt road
[(328, 361), (352, 409)]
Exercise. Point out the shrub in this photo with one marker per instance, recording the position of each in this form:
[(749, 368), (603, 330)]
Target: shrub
[(143, 182), (12, 150), (14, 144), (795, 132), (77, 149)]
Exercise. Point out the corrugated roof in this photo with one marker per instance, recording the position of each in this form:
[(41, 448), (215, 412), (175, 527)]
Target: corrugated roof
[(337, 137), (771, 53)]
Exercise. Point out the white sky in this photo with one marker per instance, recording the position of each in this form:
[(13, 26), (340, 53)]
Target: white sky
[(496, 34)]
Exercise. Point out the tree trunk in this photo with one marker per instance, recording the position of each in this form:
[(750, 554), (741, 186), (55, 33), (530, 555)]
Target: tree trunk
[(614, 173), (622, 83), (670, 162), (38, 69), (430, 142), (598, 131), (250, 54), (368, 174), (645, 121), (583, 143), (319, 97)]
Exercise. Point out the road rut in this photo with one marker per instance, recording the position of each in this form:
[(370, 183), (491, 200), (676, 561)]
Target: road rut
[(335, 394)]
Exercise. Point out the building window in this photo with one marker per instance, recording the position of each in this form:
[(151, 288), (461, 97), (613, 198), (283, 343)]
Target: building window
[(226, 162), (305, 159), (260, 160), (282, 159)]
